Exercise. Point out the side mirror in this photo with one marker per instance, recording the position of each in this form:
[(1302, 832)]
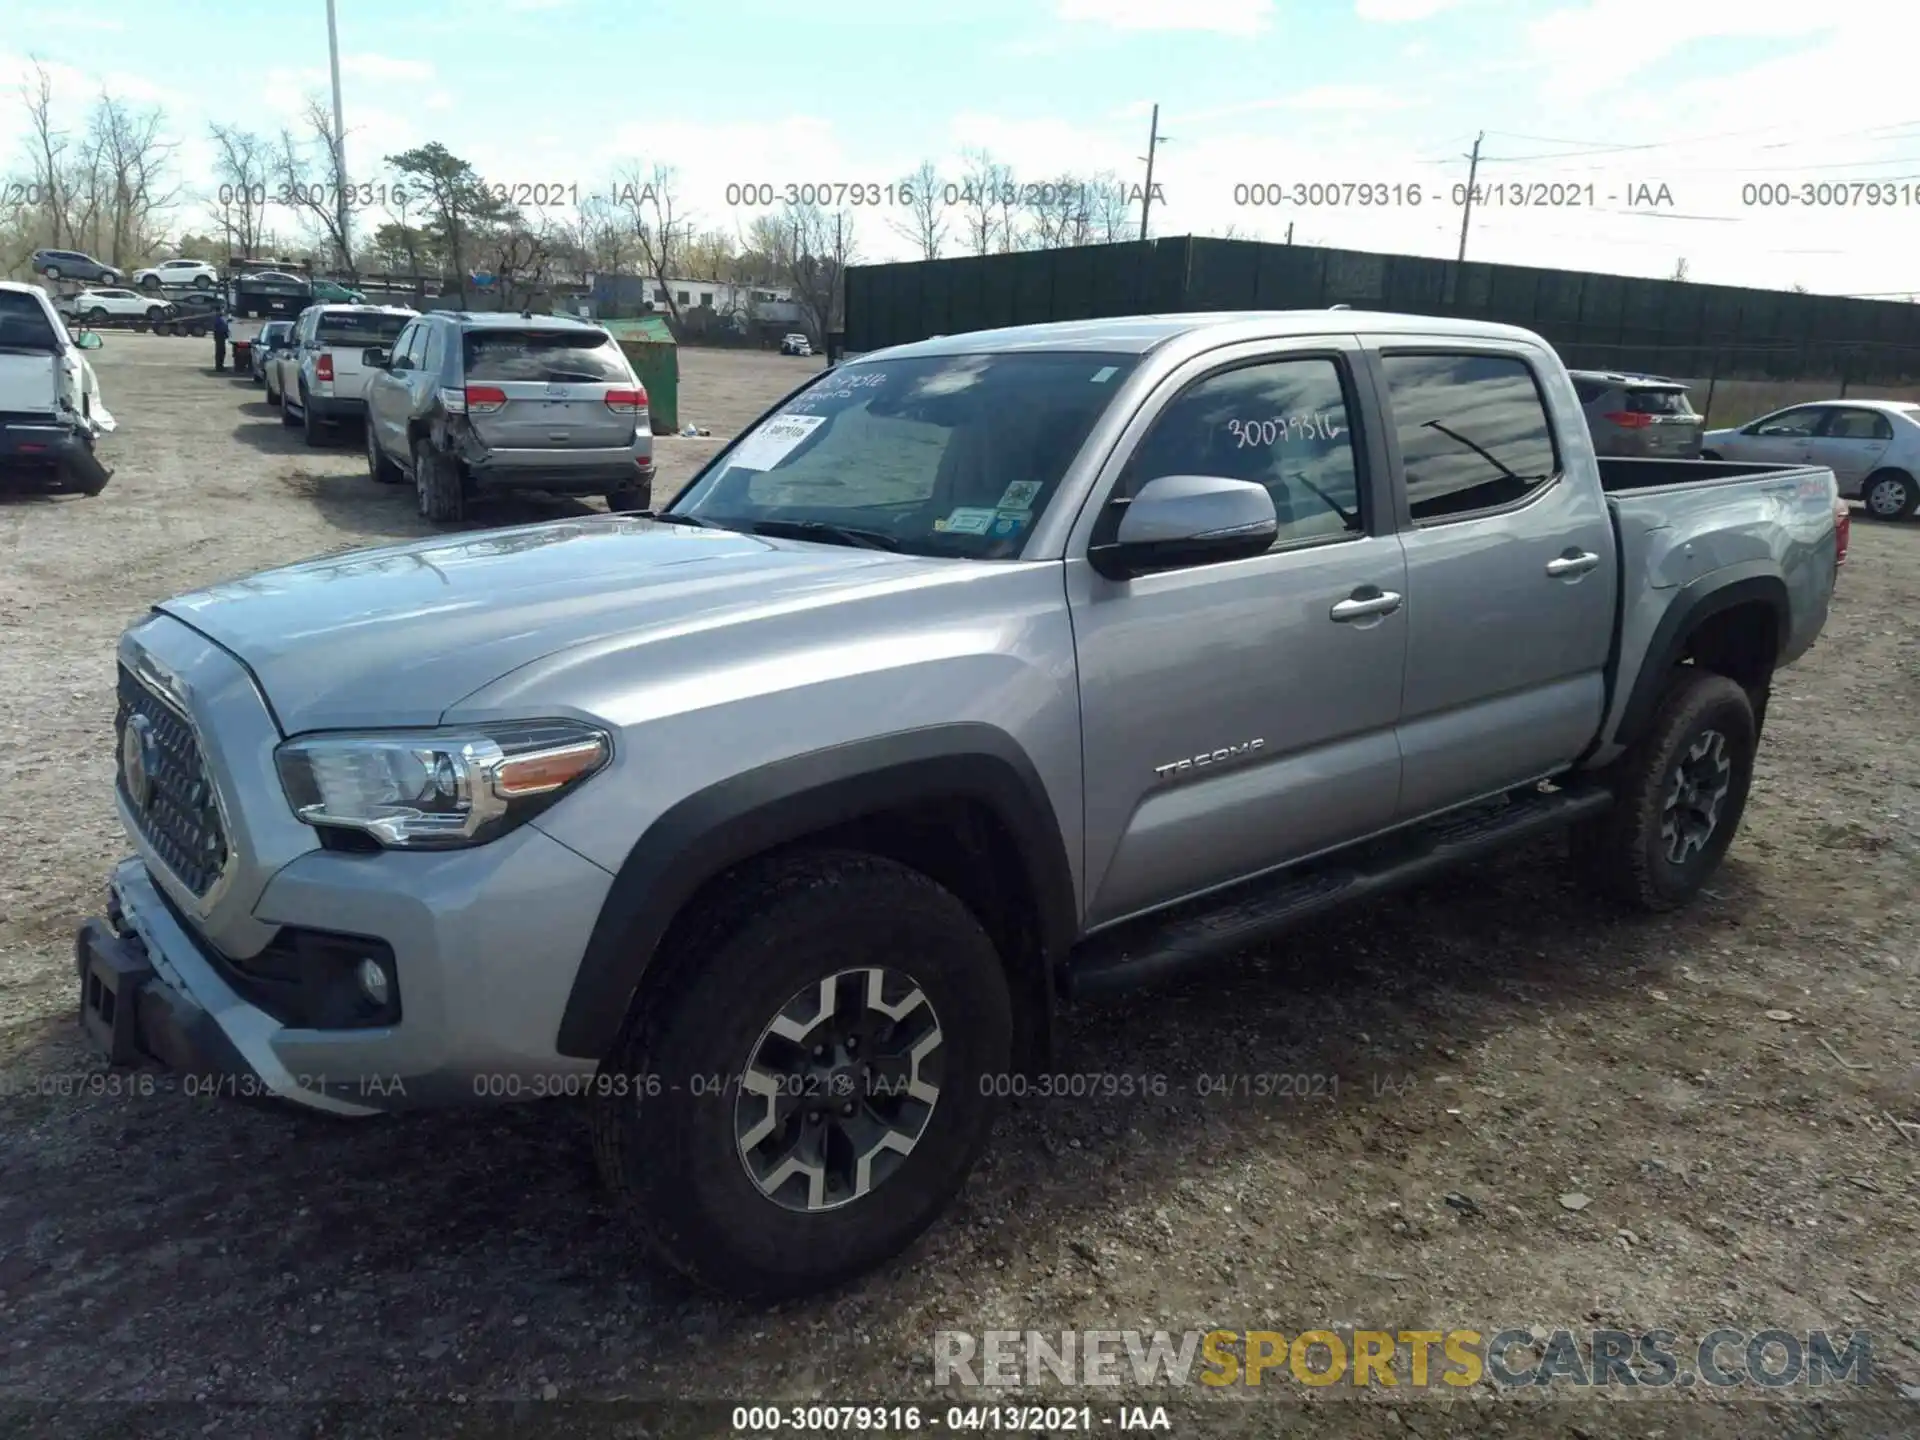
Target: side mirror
[(376, 357), (1180, 520), (87, 340)]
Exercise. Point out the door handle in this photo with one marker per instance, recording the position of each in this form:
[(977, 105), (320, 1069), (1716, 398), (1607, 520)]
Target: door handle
[(1360, 605), (1574, 562)]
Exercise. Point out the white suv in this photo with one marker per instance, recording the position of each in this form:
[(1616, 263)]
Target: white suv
[(320, 379), (197, 273)]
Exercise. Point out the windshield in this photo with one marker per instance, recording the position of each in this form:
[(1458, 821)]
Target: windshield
[(348, 327), (943, 455)]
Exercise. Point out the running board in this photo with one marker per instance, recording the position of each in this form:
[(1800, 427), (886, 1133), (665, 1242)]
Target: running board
[(1165, 944)]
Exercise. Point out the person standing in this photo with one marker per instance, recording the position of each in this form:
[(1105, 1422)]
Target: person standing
[(220, 338)]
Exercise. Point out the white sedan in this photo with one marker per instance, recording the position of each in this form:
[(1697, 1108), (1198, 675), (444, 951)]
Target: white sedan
[(1872, 447), (197, 273), (108, 304)]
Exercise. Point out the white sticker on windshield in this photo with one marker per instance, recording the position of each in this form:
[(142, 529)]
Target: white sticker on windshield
[(1104, 374), (1020, 495), (969, 520), (774, 441)]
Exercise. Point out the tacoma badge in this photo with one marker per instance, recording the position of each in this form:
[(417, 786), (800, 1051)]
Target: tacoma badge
[(1212, 757)]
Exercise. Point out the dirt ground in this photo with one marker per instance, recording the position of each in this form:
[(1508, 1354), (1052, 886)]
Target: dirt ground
[(1497, 1039)]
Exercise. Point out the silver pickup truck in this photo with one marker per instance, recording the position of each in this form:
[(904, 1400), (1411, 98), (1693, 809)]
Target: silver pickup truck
[(979, 675)]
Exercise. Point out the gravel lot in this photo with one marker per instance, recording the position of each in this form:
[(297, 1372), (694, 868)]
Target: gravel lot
[(1497, 1037)]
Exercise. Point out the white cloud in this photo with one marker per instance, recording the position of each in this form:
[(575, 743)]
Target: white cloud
[(1401, 12), (1601, 44), (1232, 17)]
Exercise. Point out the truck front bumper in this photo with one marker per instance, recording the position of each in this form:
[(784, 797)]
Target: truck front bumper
[(483, 944)]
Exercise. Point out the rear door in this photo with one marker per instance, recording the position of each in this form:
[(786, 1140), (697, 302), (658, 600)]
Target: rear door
[(1510, 569), (1850, 443), (547, 389)]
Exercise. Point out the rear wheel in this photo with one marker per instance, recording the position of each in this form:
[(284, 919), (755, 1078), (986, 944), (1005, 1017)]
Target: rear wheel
[(311, 430), (825, 1033), (623, 501), (1709, 454), (437, 485), (1679, 792), (1890, 495), (163, 327), (379, 467)]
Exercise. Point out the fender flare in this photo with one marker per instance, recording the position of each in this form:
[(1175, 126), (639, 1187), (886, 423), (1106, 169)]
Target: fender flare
[(1693, 604), (752, 812)]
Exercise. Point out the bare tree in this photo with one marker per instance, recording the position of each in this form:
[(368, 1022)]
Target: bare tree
[(520, 255), (816, 247), (48, 156), (1109, 210), (307, 167), (982, 188), (1679, 270), (128, 155), (1058, 213), (926, 211), (649, 202), (241, 166)]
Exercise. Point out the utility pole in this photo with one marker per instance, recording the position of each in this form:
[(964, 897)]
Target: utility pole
[(1289, 232), (340, 199), (1473, 171), (1154, 141)]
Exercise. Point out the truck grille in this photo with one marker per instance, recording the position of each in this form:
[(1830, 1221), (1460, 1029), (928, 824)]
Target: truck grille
[(176, 813)]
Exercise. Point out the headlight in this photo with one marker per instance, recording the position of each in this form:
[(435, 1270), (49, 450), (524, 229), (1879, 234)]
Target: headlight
[(439, 789)]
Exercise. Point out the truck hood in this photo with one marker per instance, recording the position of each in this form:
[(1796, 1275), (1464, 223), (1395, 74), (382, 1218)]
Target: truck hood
[(398, 635)]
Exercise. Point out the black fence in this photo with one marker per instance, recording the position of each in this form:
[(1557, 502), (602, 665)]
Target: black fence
[(1667, 327)]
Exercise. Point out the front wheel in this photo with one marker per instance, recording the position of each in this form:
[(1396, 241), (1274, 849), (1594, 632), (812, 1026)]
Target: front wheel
[(379, 467), (808, 1086), (311, 430), (97, 314), (201, 282), (1890, 495), (149, 282), (1679, 793)]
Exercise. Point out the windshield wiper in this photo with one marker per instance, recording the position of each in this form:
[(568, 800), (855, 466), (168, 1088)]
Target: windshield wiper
[(667, 517), (821, 530)]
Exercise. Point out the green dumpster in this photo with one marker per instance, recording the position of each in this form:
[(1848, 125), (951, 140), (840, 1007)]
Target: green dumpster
[(650, 349)]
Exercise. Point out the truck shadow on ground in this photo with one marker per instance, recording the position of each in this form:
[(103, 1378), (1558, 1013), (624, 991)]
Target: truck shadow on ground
[(432, 1232)]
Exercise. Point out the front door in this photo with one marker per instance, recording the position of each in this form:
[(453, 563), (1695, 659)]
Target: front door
[(1779, 439), (1235, 716), (1510, 562)]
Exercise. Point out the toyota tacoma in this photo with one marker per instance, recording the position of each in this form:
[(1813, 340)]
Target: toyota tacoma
[(980, 675)]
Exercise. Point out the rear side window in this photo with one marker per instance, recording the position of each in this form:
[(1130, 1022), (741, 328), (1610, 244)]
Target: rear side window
[(358, 327), (1658, 402), (24, 324), (584, 357), (1473, 432), (1859, 425)]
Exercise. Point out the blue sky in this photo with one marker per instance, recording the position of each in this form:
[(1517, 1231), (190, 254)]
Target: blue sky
[(1701, 97)]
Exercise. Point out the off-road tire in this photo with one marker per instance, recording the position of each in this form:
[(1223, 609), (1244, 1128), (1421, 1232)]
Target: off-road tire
[(771, 929), (1622, 853), (379, 467), (437, 485)]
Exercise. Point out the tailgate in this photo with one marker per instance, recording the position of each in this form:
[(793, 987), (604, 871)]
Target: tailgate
[(29, 386)]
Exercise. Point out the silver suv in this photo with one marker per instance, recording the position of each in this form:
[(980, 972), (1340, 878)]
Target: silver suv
[(467, 403), (1638, 415)]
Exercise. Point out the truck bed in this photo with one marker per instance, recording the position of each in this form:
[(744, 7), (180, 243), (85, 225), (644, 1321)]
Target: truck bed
[(1678, 521), (1619, 473)]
